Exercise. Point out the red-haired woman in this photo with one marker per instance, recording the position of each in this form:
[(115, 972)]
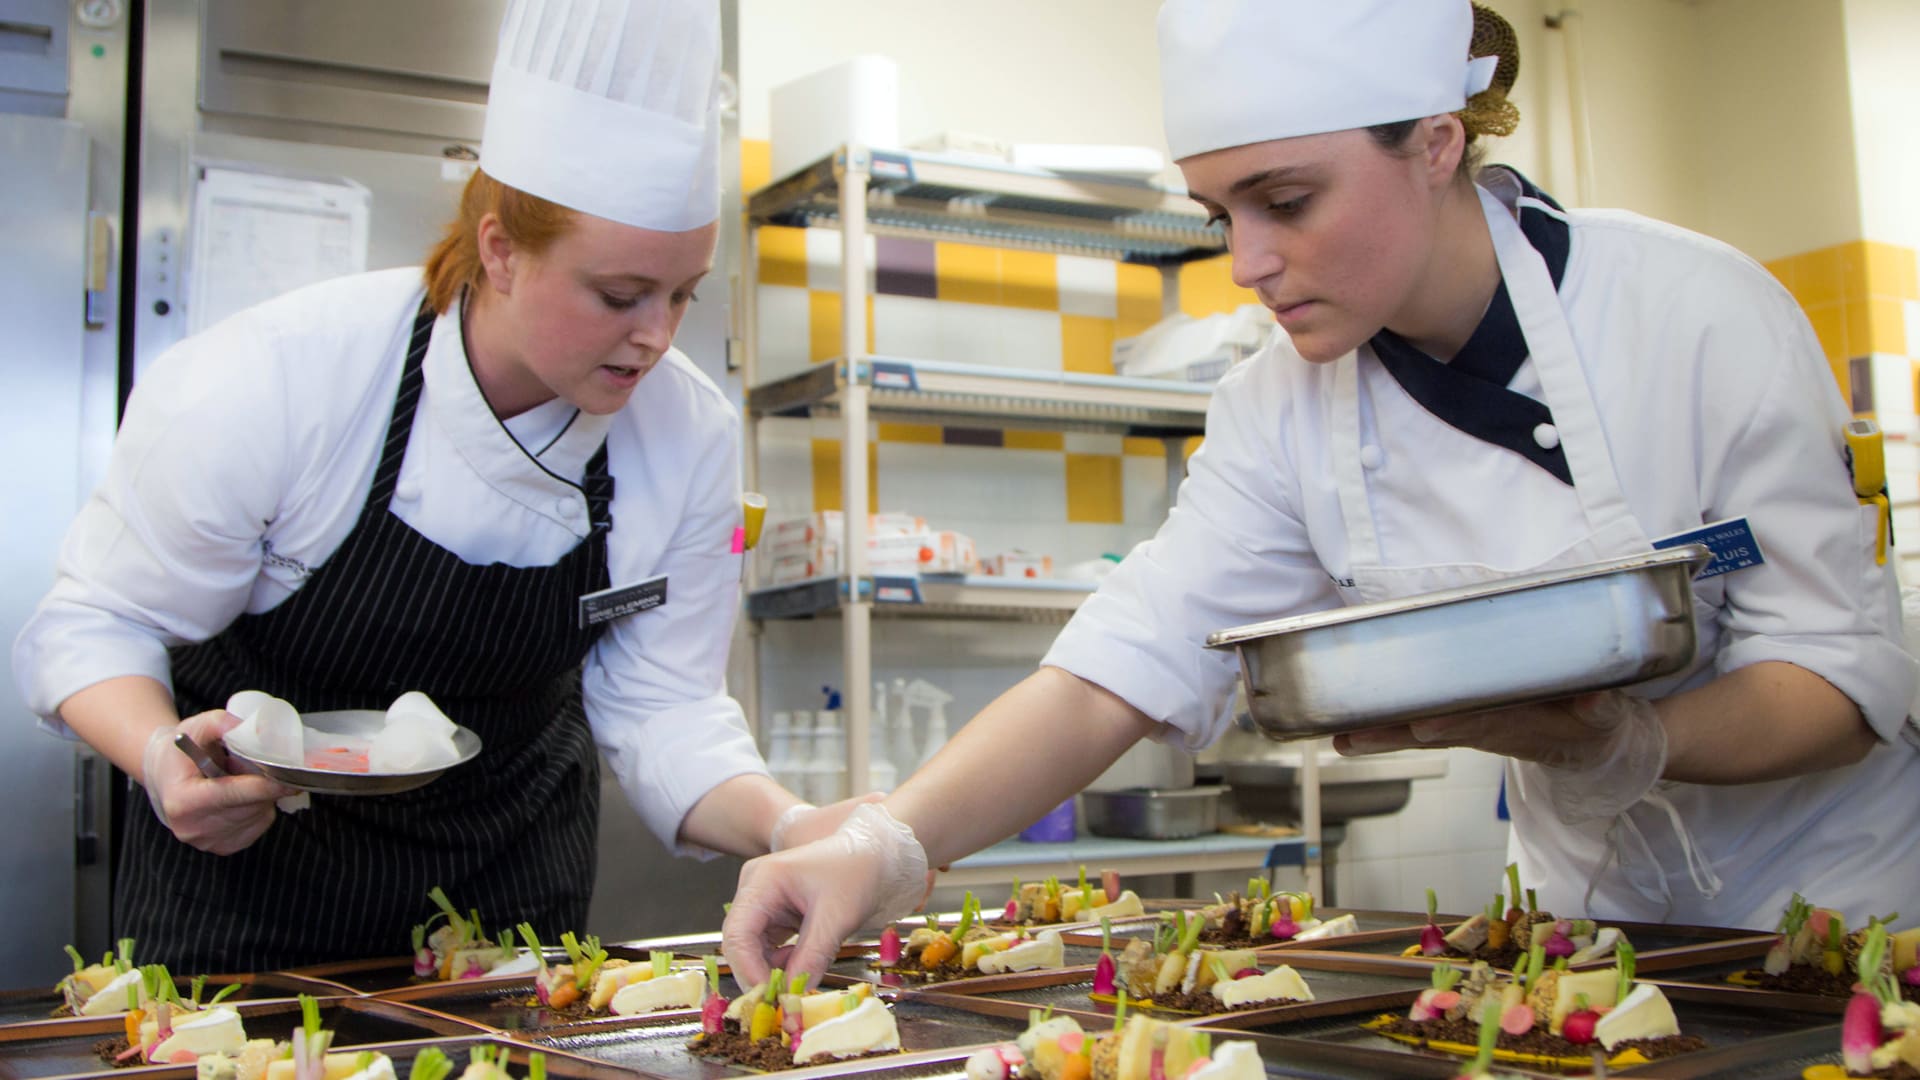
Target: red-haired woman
[(382, 483)]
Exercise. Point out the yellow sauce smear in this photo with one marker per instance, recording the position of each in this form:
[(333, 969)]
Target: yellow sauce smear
[(1512, 1057)]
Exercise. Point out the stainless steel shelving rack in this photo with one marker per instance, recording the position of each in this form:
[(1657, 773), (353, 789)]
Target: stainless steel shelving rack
[(861, 192)]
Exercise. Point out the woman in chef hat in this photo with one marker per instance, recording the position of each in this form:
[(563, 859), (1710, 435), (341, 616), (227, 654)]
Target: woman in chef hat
[(383, 483), (1470, 382)]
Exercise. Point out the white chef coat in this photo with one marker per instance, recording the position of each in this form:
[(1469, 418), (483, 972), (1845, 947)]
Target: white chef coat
[(248, 450), (1715, 402)]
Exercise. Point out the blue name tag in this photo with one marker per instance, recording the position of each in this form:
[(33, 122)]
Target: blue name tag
[(1731, 542)]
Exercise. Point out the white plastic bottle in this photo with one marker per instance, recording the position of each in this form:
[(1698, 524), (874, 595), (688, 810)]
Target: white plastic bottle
[(827, 773), (800, 760), (780, 748), (903, 749)]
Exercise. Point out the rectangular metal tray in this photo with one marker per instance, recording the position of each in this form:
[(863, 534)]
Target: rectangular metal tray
[(1153, 813), (37, 1006), (1374, 926), (63, 1047), (1777, 1057), (500, 1004), (560, 1065), (1530, 638), (1724, 1021), (1658, 947), (656, 1046), (858, 968), (1341, 985)]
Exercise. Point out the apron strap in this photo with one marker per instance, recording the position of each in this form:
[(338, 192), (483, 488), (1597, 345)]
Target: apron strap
[(400, 425)]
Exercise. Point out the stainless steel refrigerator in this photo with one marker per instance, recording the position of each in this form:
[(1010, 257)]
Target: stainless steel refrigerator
[(112, 113)]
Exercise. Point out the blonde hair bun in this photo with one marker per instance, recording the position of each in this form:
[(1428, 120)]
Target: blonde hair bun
[(1489, 112)]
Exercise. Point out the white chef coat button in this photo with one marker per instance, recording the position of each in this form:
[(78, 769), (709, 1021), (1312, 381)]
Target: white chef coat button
[(569, 508), (1371, 457), (407, 491), (1547, 436)]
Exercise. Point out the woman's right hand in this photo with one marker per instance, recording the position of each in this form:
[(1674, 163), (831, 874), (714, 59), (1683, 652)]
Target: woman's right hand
[(872, 869), (220, 815)]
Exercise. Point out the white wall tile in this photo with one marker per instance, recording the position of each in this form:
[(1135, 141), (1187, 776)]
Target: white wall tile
[(1371, 838), (782, 332), (1369, 883), (1418, 873), (1026, 339), (906, 326), (1473, 768), (1088, 286), (1082, 442), (970, 334), (1426, 825)]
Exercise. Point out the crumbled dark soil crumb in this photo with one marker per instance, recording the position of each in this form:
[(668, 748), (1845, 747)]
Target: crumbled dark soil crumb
[(1242, 940), (109, 1050), (1807, 979), (578, 1009), (910, 968), (1203, 1001), (1503, 958), (769, 1054), (1900, 1071), (1539, 1041)]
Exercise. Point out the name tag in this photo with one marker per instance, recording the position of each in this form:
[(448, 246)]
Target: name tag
[(622, 601), (1731, 542)]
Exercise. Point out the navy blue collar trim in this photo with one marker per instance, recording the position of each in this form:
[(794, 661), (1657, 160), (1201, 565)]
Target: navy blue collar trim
[(1471, 393)]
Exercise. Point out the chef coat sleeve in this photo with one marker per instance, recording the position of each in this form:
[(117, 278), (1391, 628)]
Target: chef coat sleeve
[(655, 683), (1819, 601), (167, 549), (1234, 550)]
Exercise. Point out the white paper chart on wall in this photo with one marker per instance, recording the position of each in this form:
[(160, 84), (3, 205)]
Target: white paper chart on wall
[(256, 235)]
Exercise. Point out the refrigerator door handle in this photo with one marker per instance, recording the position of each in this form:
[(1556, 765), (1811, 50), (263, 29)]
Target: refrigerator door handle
[(86, 836)]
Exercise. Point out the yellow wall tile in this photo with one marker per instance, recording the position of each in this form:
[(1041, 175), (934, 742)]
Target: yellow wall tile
[(1093, 489), (783, 256), (756, 164), (1035, 440), (1853, 269), (1887, 327), (823, 325), (1136, 298), (1786, 271), (1207, 288), (1820, 278), (1029, 279), (1086, 344), (1891, 271), (1193, 444), (1857, 315), (1143, 447), (910, 433), (966, 273), (1829, 324), (826, 475)]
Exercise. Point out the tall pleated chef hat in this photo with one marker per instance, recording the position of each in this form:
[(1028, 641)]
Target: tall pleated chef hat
[(1234, 72), (610, 107)]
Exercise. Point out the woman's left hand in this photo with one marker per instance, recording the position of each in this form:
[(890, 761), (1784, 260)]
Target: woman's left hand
[(1602, 751), (803, 823)]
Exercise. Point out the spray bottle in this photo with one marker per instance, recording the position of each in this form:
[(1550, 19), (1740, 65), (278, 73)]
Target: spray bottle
[(881, 775), (923, 693), (903, 750)]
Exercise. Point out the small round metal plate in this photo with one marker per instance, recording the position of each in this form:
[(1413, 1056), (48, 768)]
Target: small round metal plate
[(362, 724)]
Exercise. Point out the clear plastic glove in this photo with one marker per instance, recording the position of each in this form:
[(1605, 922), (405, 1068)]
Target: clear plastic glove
[(803, 823), (870, 870), (220, 816), (1602, 752)]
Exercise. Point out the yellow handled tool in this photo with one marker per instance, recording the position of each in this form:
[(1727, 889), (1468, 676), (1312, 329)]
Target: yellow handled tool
[(1867, 458), (753, 507)]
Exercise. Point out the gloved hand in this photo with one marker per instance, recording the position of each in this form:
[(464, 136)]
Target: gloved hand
[(803, 823), (1602, 752), (220, 816), (871, 869)]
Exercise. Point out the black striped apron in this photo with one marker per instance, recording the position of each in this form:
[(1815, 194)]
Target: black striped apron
[(511, 833)]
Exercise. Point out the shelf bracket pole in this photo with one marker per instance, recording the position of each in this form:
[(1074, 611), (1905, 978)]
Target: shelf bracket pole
[(856, 627)]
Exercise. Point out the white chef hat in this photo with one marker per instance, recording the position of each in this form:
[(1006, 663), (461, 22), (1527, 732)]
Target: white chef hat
[(610, 107), (1234, 72)]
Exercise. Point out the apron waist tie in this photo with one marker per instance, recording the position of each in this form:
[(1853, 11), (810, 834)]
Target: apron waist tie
[(1705, 881)]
